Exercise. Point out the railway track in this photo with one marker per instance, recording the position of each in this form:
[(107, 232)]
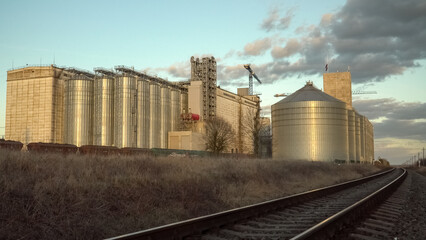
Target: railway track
[(317, 214)]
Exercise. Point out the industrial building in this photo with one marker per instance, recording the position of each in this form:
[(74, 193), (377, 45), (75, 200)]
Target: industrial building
[(121, 107), (322, 126)]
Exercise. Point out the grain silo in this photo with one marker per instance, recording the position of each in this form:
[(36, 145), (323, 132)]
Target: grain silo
[(357, 137), (125, 111), (104, 108), (362, 137), (165, 115), (175, 109), (78, 126), (143, 114), (155, 115), (351, 136), (310, 125)]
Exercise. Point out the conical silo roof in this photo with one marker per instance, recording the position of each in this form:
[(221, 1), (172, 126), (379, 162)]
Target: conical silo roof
[(309, 93)]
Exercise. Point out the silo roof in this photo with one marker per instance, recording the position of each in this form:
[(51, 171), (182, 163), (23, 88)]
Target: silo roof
[(309, 93)]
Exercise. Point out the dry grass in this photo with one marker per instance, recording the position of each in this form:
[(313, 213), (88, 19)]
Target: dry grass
[(421, 170), (74, 197)]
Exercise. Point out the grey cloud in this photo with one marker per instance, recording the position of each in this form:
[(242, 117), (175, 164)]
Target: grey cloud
[(274, 21), (391, 109), (399, 119), (407, 129), (377, 39), (177, 70), (292, 47), (228, 73)]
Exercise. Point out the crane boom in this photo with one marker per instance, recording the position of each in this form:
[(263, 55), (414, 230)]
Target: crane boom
[(363, 92)]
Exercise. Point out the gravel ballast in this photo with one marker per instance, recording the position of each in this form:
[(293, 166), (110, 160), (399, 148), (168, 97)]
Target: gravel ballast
[(412, 223)]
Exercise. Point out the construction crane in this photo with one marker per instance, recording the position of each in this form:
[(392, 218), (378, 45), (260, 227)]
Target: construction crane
[(357, 92), (282, 94), (251, 75)]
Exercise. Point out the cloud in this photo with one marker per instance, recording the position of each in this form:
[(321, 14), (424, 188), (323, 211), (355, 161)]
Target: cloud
[(381, 38), (397, 119), (275, 22), (399, 127), (228, 73), (180, 70), (390, 108), (257, 47), (326, 19), (292, 47), (397, 151), (376, 39)]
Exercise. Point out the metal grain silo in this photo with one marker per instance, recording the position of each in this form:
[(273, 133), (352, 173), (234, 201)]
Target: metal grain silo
[(78, 110), (310, 125), (125, 111), (143, 114), (369, 141), (362, 138), (184, 102), (155, 115), (165, 116), (351, 136), (357, 137), (175, 109), (104, 110)]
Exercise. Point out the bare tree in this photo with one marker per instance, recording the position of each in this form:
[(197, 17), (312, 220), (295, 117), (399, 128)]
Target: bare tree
[(251, 127), (219, 135)]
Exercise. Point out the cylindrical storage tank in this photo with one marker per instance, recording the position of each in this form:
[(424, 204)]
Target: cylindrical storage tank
[(155, 115), (362, 138), (104, 111), (125, 97), (143, 114), (165, 116), (351, 136), (175, 109), (369, 141), (357, 137), (78, 110), (310, 125), (184, 102)]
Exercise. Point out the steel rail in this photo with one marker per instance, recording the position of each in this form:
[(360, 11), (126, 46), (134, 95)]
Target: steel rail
[(200, 225), (349, 215)]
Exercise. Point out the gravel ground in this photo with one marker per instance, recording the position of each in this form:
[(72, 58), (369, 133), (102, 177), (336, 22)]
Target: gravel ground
[(412, 224)]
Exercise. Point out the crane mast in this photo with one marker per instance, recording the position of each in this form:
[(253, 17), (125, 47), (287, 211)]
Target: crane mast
[(251, 75)]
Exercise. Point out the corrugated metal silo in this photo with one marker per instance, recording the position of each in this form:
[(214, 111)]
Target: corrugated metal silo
[(79, 110), (155, 115), (351, 136), (176, 109), (362, 137), (143, 114), (125, 97), (165, 115), (310, 125), (358, 137), (104, 110)]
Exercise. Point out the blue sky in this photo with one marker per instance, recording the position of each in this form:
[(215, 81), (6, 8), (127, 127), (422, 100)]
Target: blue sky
[(287, 43)]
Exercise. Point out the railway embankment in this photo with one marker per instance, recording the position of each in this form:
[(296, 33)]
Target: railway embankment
[(52, 196)]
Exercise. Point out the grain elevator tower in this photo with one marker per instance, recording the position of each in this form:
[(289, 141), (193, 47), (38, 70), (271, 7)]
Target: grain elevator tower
[(204, 71)]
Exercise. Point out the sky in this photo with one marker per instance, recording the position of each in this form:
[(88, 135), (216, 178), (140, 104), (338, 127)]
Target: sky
[(287, 43)]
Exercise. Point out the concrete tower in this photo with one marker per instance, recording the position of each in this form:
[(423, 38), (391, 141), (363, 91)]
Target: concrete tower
[(338, 85)]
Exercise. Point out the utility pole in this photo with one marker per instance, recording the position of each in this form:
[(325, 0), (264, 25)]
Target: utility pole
[(423, 159)]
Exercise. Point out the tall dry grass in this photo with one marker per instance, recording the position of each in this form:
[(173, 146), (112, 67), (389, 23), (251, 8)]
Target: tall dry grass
[(82, 197)]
